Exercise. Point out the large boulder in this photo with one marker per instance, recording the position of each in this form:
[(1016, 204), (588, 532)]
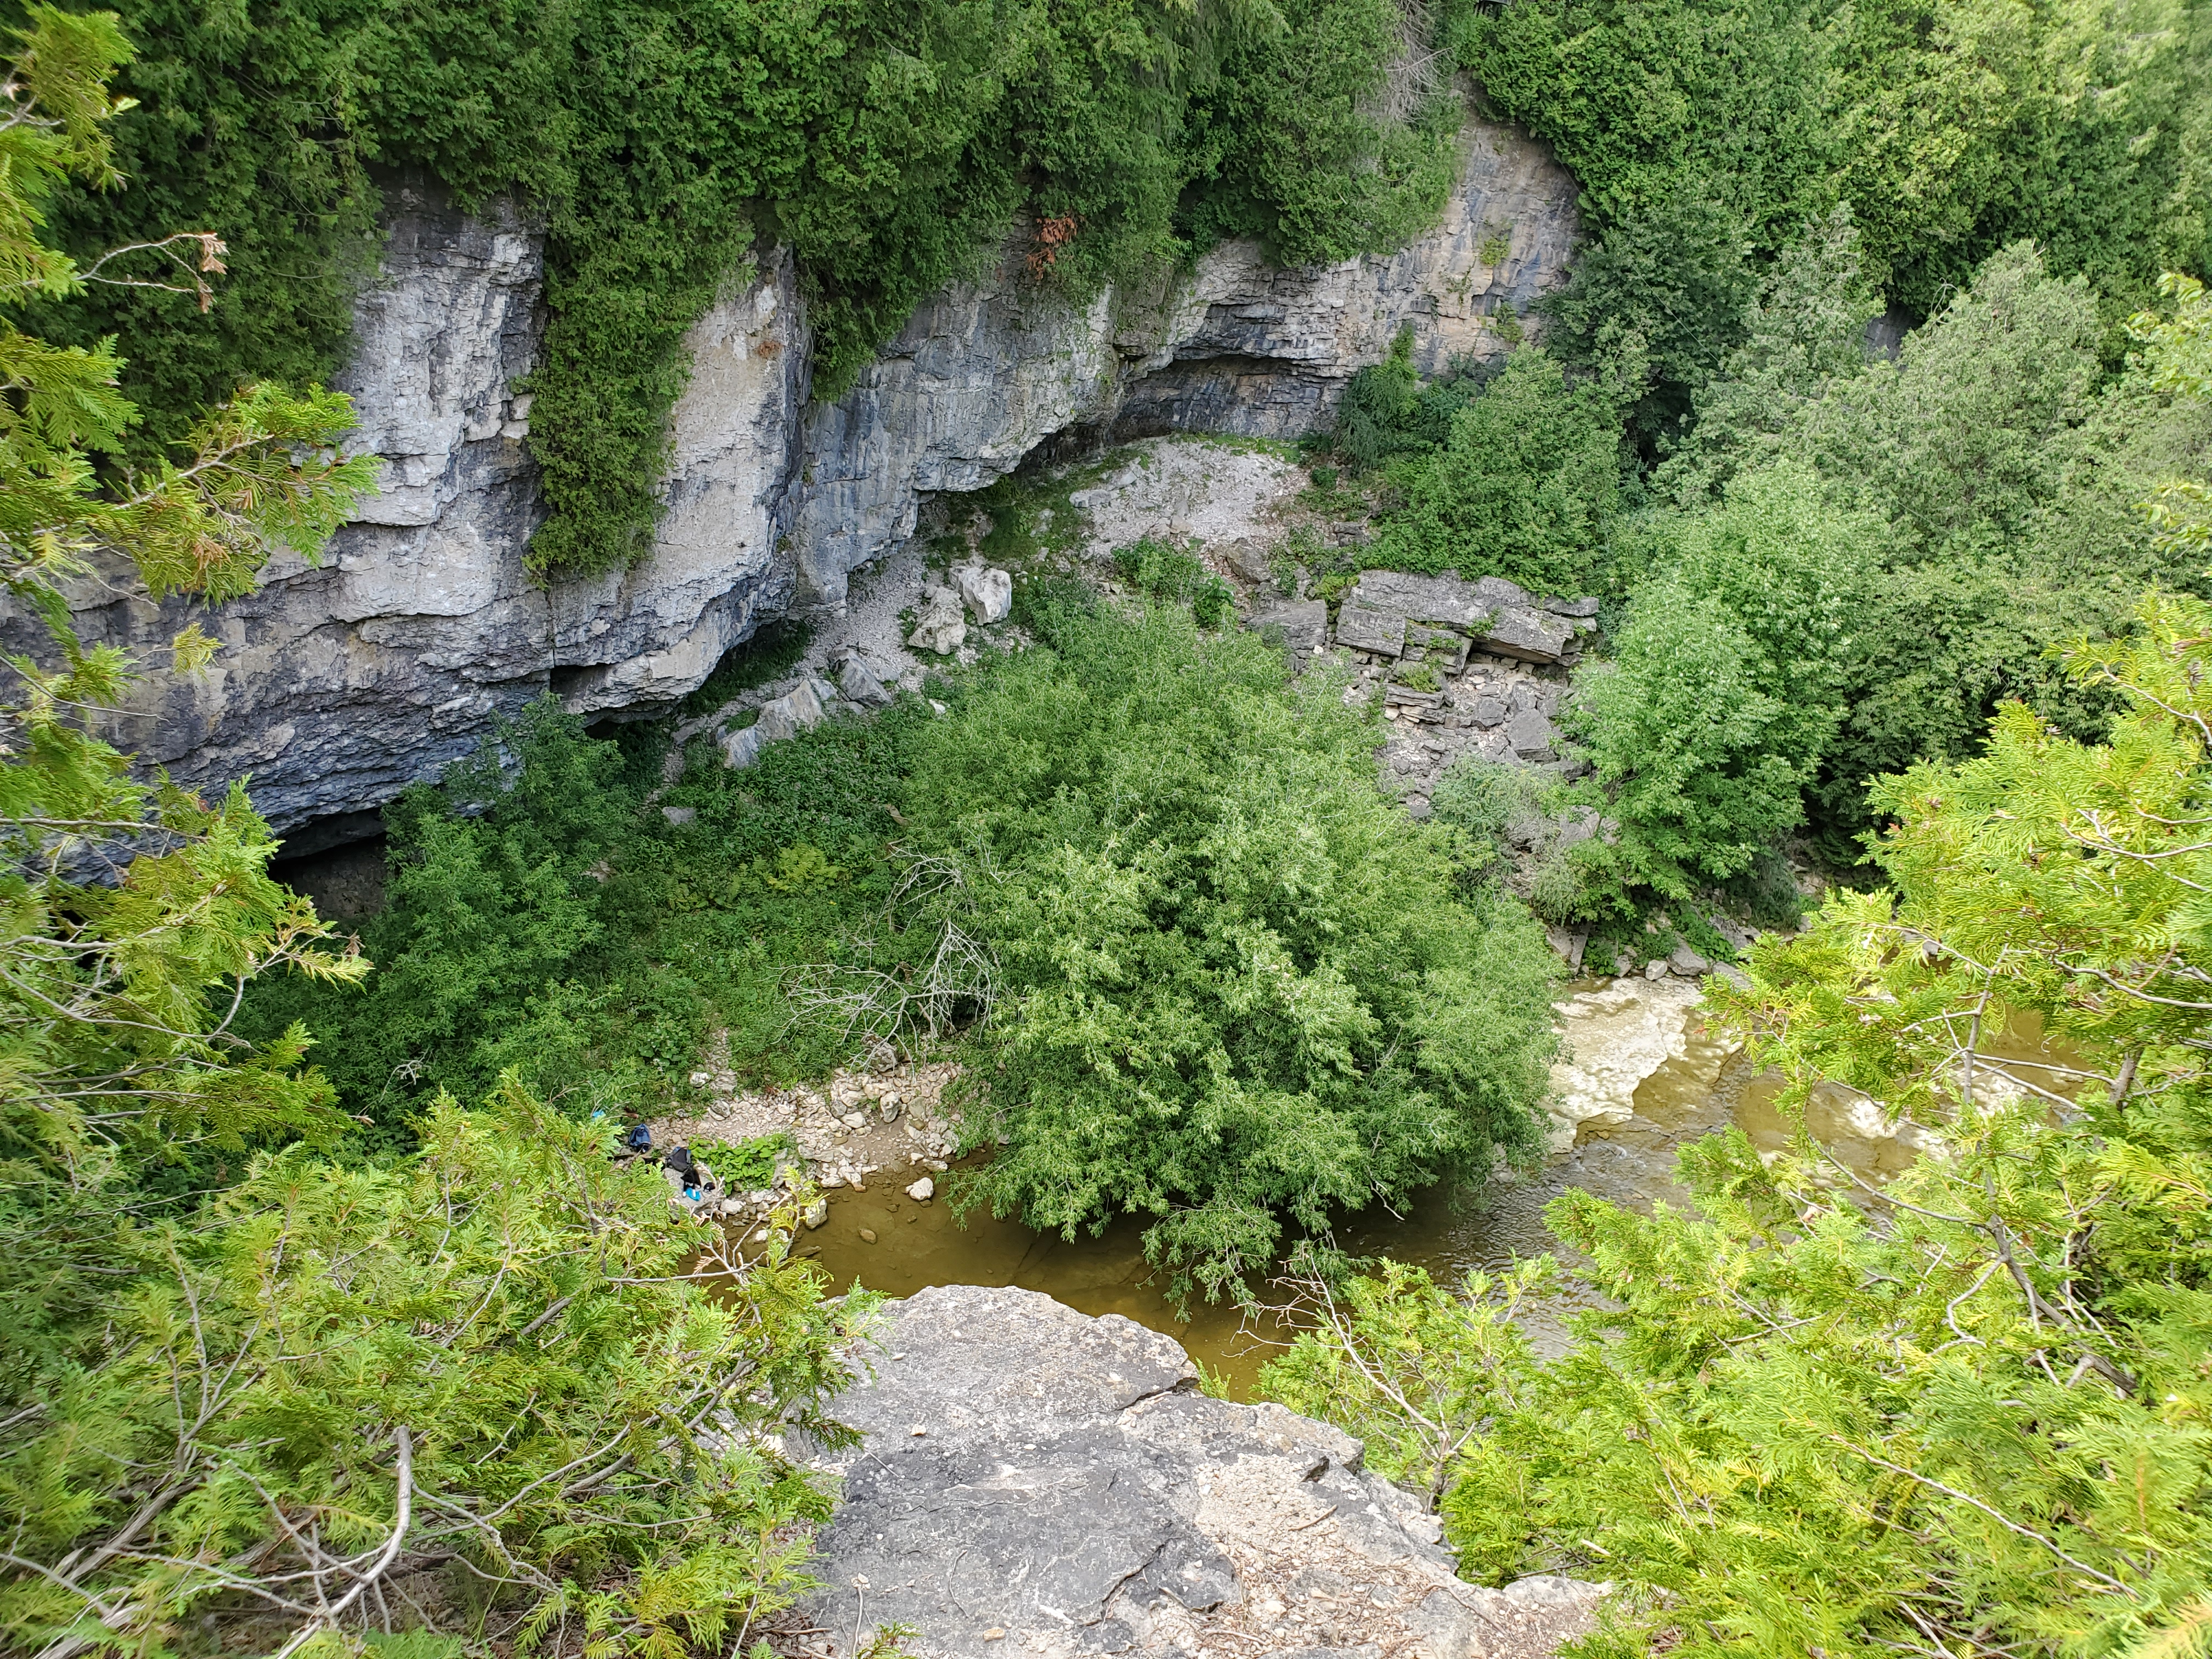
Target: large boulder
[(1036, 1482), (987, 593), (1504, 618), (940, 629), (1299, 626)]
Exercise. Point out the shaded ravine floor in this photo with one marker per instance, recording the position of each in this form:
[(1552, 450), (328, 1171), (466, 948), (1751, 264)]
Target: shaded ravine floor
[(919, 1244)]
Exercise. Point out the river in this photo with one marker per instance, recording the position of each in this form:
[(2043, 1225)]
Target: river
[(1693, 1092)]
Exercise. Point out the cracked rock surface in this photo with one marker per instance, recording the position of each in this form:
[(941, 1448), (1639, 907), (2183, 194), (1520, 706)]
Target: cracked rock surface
[(1039, 1482)]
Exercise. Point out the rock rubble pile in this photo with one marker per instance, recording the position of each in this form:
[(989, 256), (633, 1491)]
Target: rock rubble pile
[(1462, 667), (864, 1121)]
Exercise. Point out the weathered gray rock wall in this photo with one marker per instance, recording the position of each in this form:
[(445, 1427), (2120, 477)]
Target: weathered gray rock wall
[(340, 683)]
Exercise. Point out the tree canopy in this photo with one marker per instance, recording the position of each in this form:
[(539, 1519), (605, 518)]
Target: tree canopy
[(1959, 1410)]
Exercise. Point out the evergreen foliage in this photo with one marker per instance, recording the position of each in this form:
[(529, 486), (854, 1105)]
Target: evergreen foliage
[(1705, 767), (491, 1353), (1961, 1411), (239, 1404), (1525, 486), (1388, 412), (1949, 127), (892, 144), (541, 919), (1230, 985), (1843, 561)]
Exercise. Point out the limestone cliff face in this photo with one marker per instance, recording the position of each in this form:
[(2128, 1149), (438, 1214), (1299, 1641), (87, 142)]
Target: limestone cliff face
[(341, 683)]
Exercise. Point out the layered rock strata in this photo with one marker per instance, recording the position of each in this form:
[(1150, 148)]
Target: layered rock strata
[(1034, 1481), (339, 684)]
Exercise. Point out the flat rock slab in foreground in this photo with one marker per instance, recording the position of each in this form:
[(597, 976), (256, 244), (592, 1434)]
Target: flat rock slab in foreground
[(1037, 1482)]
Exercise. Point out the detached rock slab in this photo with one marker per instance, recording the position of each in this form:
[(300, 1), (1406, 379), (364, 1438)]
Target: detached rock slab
[(1034, 1481), (1506, 619)]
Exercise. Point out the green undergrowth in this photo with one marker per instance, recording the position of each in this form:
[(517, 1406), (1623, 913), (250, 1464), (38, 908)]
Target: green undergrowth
[(544, 918), (747, 1165), (1023, 522), (1201, 967), (1166, 573), (892, 145), (770, 655)]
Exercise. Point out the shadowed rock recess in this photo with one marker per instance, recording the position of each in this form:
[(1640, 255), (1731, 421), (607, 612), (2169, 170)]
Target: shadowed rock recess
[(1038, 1482), (339, 684)]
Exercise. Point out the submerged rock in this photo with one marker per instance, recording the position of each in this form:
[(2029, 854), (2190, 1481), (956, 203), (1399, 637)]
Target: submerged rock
[(1035, 1481), (1612, 1037)]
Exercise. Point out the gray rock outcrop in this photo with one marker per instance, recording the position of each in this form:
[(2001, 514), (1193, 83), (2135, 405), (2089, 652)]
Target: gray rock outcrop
[(339, 684), (1035, 1481)]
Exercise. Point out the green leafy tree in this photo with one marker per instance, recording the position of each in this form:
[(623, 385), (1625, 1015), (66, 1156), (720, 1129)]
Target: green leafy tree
[(1655, 306), (258, 1406), (1703, 768), (492, 1360), (1963, 1410), (1803, 336), (1525, 488), (2013, 484), (1226, 984)]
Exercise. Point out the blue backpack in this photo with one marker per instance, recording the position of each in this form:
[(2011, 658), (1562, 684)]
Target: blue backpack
[(639, 1138)]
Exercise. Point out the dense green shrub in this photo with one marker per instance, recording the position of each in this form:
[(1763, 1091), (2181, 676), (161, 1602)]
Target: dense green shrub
[(1232, 986), (893, 144), (1654, 306), (1175, 575), (1705, 768), (470, 1355), (1526, 486), (541, 919), (1388, 412)]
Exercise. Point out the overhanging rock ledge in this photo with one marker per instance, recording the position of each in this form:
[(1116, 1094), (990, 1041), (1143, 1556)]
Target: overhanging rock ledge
[(339, 684)]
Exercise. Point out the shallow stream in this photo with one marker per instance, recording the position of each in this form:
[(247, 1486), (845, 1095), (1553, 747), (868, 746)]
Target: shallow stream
[(918, 1244), (1640, 1075)]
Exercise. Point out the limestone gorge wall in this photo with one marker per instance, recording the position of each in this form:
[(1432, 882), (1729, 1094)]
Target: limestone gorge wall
[(339, 684)]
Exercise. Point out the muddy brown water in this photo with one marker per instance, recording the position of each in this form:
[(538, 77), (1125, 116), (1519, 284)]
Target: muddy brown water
[(918, 1244)]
